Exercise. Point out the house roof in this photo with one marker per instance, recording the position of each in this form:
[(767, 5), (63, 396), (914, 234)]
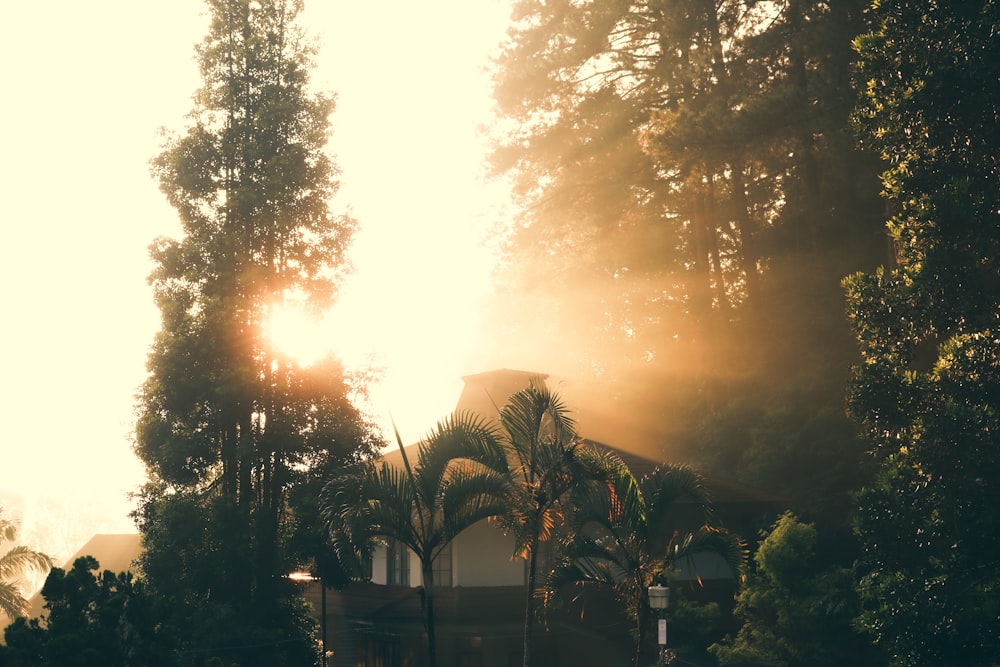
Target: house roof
[(484, 393), (721, 491)]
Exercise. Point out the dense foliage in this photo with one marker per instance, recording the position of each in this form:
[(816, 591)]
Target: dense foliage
[(927, 386), (92, 619), (689, 197), (796, 610), (229, 429)]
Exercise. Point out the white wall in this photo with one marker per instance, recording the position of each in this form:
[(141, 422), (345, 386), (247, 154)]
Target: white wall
[(379, 566), (481, 556), (704, 566)]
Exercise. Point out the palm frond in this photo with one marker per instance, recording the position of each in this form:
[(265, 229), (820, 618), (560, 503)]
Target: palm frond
[(683, 549), (19, 559), (12, 602), (463, 436), (341, 513), (669, 484), (13, 565), (608, 494), (388, 504), (470, 496), (532, 415), (8, 529)]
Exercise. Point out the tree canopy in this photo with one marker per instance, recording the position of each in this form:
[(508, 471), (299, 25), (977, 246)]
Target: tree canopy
[(688, 198), (92, 618), (926, 386)]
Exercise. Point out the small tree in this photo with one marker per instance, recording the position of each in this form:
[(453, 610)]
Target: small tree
[(458, 479), (547, 464), (619, 535), (795, 613)]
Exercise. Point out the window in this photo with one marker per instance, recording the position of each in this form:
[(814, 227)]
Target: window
[(442, 567), (397, 560)]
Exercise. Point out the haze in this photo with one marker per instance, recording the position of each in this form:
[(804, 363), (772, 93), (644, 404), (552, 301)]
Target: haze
[(89, 85)]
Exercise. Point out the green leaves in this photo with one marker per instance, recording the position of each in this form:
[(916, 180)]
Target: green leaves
[(458, 479), (234, 435), (616, 533), (795, 609), (926, 385)]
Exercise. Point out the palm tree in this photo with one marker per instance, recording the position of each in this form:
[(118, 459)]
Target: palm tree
[(460, 478), (615, 535), (13, 565), (547, 462)]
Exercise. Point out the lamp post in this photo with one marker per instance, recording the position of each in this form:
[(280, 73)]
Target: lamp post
[(659, 599)]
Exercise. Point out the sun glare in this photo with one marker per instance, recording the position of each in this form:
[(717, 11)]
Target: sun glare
[(414, 366), (299, 335)]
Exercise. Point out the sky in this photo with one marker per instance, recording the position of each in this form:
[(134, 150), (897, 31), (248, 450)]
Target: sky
[(87, 87)]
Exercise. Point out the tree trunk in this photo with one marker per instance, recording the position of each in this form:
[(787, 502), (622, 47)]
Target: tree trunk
[(640, 634), (427, 571), (529, 604), (745, 229)]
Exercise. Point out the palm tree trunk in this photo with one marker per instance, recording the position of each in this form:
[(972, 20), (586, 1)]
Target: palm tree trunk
[(427, 572), (641, 621), (639, 636), (529, 604)]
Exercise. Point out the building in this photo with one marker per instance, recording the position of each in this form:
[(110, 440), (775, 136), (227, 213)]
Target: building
[(480, 588)]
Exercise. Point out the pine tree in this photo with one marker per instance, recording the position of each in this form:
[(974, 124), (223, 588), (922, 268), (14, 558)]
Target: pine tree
[(227, 426)]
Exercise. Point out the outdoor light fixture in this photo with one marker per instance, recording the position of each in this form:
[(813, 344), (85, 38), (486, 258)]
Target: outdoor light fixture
[(659, 599)]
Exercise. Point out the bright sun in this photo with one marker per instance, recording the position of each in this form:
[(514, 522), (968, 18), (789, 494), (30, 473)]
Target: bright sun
[(411, 309), (415, 370), (301, 336)]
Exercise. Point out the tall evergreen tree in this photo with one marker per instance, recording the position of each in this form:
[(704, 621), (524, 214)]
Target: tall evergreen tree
[(228, 427), (926, 390)]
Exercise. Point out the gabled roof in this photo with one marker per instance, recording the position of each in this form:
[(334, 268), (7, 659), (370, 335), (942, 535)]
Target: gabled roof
[(115, 552), (721, 491), (485, 393)]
